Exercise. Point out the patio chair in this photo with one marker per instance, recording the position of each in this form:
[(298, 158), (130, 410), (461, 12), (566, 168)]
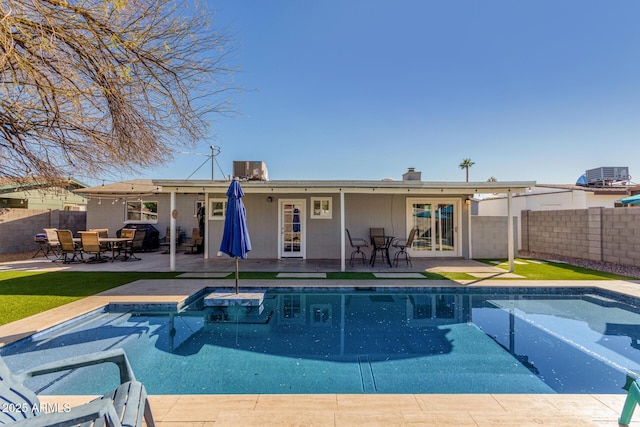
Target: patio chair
[(633, 399), (102, 232), (127, 405), (136, 245), (380, 244), (68, 247), (53, 244), (196, 242), (357, 243), (118, 247), (403, 245), (91, 245)]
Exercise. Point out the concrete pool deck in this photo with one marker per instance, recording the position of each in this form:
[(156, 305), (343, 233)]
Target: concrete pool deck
[(340, 409)]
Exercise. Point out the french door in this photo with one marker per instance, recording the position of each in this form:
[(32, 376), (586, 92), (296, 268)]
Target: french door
[(436, 222), (292, 225)]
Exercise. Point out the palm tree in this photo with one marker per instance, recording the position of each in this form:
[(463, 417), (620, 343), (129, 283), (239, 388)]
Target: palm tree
[(466, 164)]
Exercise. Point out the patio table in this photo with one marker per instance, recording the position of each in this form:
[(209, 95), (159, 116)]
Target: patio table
[(381, 244), (114, 243)]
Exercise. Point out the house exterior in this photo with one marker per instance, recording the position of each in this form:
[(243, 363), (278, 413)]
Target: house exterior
[(303, 219), (38, 194), (547, 197)]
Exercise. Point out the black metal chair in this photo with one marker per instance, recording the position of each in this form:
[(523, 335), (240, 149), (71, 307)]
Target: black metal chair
[(380, 243), (403, 245), (357, 243)]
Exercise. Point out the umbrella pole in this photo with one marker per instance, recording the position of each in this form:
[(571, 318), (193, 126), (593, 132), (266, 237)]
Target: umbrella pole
[(237, 275)]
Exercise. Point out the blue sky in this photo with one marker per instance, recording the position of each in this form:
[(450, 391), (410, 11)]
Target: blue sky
[(344, 89)]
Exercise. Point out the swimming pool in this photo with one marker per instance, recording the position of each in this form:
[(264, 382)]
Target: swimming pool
[(358, 341)]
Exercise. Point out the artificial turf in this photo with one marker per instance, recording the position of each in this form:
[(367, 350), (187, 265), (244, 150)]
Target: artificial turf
[(23, 294)]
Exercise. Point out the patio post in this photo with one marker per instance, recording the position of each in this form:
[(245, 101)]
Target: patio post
[(469, 239), (172, 227), (205, 238), (510, 231), (342, 227)]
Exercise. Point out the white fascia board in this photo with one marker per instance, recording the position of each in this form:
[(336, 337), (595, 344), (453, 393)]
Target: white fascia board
[(361, 187)]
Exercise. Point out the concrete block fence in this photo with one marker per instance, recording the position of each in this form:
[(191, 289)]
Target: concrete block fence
[(597, 234), (19, 226)]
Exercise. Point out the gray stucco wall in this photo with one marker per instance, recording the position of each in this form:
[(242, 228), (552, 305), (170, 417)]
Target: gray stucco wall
[(323, 236), (489, 236), (112, 215)]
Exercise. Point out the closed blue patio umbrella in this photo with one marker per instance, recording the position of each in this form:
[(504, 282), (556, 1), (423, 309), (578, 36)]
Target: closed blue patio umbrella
[(235, 238)]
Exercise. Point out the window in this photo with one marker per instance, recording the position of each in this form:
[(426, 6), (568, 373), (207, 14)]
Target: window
[(217, 208), (320, 314), (292, 309), (141, 211), (321, 207)]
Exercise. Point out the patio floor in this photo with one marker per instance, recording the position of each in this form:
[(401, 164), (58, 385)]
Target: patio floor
[(157, 261)]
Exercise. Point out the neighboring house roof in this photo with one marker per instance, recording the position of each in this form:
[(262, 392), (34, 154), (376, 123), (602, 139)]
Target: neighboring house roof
[(545, 189), (8, 185), (621, 189), (41, 194)]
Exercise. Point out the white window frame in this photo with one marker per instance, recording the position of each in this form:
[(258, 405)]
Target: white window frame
[(328, 214), (140, 221), (212, 211)]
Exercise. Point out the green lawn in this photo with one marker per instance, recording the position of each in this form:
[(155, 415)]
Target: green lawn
[(23, 294), (547, 270)]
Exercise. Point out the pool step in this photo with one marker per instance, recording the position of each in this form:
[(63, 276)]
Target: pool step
[(600, 300), (246, 307)]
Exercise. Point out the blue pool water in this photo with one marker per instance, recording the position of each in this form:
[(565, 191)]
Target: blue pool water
[(372, 341)]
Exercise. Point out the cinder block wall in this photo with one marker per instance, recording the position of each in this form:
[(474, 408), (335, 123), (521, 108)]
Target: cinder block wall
[(18, 226), (558, 232), (621, 236), (489, 236), (599, 234)]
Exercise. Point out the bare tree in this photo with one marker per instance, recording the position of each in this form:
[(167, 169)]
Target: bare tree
[(103, 85), (466, 164)]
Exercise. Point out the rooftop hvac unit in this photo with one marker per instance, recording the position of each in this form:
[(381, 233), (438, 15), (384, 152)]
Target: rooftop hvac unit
[(605, 176), (251, 171)]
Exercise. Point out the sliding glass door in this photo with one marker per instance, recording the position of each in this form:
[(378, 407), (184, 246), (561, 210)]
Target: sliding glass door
[(436, 222)]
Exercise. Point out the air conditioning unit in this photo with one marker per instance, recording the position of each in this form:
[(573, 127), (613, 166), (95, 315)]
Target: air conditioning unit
[(605, 176), (250, 170)]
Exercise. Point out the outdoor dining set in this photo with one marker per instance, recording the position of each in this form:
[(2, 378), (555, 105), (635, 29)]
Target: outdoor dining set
[(380, 247), (95, 243)]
